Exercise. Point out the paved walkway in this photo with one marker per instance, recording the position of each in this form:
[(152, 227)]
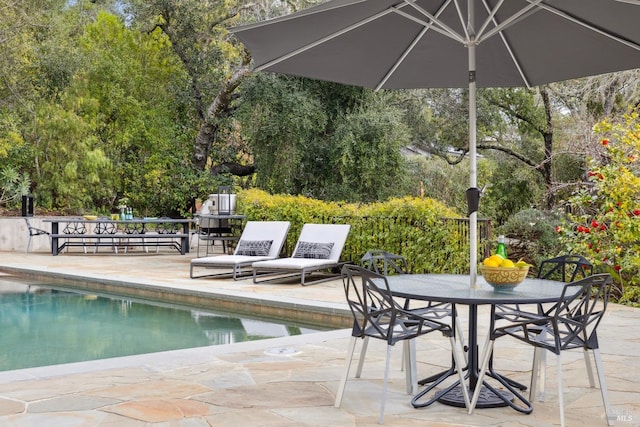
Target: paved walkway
[(285, 381)]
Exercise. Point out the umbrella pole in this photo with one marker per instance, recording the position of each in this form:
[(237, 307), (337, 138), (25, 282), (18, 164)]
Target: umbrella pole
[(473, 217)]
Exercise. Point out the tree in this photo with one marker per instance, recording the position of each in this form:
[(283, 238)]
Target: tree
[(215, 66), (19, 23)]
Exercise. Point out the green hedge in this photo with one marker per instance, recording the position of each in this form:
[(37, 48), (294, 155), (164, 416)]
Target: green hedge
[(415, 228)]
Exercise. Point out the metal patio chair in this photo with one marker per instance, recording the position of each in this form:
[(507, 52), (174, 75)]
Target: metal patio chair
[(377, 315), (34, 231), (75, 227), (383, 262), (565, 268), (571, 323)]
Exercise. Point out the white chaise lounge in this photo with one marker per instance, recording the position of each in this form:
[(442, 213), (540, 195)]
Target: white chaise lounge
[(260, 241), (318, 250)]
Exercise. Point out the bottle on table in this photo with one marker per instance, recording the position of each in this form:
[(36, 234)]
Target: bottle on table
[(501, 249)]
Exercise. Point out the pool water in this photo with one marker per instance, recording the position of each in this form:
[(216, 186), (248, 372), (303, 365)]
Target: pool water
[(43, 325)]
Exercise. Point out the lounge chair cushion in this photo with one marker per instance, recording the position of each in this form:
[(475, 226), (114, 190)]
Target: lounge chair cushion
[(313, 250), (254, 247)]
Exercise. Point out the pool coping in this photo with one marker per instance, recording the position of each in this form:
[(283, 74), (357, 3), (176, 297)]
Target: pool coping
[(312, 313)]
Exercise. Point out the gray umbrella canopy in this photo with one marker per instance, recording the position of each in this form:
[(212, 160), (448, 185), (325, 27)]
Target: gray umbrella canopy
[(395, 44)]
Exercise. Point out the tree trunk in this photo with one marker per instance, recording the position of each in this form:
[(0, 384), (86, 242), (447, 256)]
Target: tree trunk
[(547, 135), (219, 109)]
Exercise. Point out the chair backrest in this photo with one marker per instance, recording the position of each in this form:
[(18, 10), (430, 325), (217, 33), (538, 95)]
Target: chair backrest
[(383, 262), (565, 268), (33, 231), (29, 226), (577, 316), (370, 302), (325, 233), (377, 314), (105, 228), (276, 231), (73, 227)]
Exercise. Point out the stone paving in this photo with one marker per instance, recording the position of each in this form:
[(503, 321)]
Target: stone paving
[(258, 383)]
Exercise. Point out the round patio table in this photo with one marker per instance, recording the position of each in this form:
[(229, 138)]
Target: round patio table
[(455, 289)]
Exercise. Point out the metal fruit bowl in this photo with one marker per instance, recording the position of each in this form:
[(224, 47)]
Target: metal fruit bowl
[(504, 278)]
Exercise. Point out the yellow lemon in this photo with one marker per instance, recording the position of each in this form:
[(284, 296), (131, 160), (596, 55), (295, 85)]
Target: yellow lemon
[(496, 258), (521, 264), (507, 263), (490, 262)]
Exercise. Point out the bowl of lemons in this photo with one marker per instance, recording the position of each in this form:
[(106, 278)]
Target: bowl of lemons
[(503, 274)]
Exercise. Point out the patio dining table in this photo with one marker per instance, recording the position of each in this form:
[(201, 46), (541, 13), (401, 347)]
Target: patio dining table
[(169, 232), (455, 289)]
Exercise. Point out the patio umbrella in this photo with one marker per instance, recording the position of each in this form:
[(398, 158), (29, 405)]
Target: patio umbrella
[(400, 44)]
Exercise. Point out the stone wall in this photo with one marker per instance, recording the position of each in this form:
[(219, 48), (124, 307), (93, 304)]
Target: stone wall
[(14, 234)]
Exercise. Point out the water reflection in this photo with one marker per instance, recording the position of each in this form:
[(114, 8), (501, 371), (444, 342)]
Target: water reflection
[(46, 326)]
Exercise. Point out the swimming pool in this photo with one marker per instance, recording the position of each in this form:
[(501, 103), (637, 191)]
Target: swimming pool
[(45, 325)]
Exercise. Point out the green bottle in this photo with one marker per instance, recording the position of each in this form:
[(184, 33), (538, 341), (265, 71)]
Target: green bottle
[(502, 248)]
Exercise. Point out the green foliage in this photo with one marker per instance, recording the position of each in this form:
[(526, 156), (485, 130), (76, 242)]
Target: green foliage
[(107, 124), (532, 235), (69, 158), (513, 187), (604, 224), (322, 140), (412, 227), (283, 124), (12, 186), (369, 140)]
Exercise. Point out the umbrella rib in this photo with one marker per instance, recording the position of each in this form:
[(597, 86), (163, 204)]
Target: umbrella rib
[(407, 51), (507, 46), (436, 24), (590, 26), (464, 25), (322, 40), (491, 16), (533, 7), (402, 58)]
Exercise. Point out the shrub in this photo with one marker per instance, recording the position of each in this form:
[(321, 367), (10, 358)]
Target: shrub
[(532, 235), (604, 224), (415, 228)]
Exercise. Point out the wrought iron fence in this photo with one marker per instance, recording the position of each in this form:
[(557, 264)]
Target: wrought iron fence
[(381, 233)]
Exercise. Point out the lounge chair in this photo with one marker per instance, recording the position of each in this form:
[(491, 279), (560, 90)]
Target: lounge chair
[(318, 250), (260, 241)]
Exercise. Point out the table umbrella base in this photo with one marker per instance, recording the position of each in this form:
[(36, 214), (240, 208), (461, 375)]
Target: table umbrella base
[(487, 398)]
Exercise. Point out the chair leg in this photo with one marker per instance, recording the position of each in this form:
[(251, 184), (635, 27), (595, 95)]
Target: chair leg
[(345, 374), (538, 372), (587, 362), (363, 352), (28, 244), (409, 360), (560, 394), (385, 384), (603, 387)]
